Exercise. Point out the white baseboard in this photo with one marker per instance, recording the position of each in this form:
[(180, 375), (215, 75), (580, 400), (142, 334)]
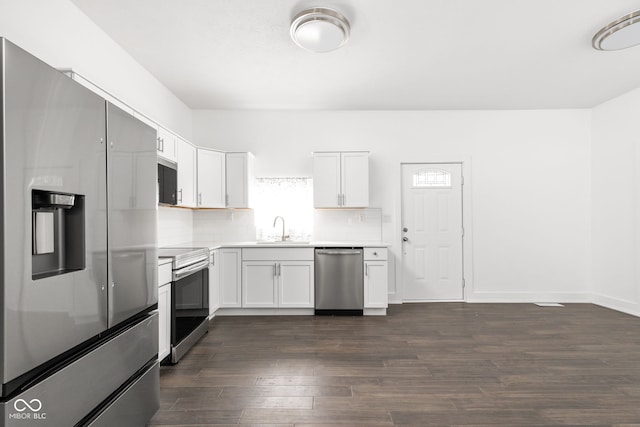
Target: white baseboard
[(265, 312), (526, 297), (624, 306), (374, 312)]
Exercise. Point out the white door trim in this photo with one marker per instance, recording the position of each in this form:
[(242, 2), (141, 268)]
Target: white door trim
[(467, 221)]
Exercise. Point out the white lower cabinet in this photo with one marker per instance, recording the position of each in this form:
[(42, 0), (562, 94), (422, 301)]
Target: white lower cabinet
[(376, 294), (296, 287), (277, 278), (259, 284), (164, 312), (214, 282), (229, 274), (283, 278), (375, 284)]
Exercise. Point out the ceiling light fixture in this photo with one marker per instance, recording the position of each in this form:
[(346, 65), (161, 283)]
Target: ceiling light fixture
[(320, 29), (620, 34)]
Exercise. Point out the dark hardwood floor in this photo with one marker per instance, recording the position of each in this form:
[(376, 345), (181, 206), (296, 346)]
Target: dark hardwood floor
[(423, 364)]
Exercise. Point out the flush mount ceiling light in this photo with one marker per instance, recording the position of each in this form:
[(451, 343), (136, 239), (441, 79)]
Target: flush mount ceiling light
[(620, 34), (320, 29)]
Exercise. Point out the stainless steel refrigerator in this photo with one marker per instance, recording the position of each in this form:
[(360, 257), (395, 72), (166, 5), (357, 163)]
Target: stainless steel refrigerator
[(78, 261)]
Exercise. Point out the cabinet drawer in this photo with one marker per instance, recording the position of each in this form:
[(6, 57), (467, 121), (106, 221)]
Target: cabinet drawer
[(375, 254), (277, 254), (164, 274)]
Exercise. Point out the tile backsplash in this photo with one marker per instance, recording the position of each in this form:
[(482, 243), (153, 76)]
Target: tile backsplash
[(175, 226), (347, 225), (236, 225)]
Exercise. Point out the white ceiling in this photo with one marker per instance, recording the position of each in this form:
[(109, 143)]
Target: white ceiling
[(402, 55)]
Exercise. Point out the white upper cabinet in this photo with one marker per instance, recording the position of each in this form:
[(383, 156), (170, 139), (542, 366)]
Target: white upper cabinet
[(341, 179), (326, 180), (186, 174), (99, 91), (239, 177), (167, 144), (211, 179), (355, 179)]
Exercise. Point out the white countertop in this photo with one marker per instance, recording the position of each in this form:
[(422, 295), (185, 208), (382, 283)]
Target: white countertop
[(313, 244)]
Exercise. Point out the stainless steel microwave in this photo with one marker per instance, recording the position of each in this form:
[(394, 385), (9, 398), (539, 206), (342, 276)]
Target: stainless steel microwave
[(167, 182)]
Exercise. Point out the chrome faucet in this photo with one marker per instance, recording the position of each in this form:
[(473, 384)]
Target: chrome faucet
[(283, 237)]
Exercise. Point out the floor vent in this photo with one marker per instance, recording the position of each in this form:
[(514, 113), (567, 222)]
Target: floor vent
[(548, 304)]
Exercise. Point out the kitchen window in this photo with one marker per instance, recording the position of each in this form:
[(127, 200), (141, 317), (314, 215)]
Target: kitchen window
[(290, 198)]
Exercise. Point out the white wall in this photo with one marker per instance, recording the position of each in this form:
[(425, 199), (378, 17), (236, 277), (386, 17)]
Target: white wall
[(615, 203), (530, 181), (58, 33)]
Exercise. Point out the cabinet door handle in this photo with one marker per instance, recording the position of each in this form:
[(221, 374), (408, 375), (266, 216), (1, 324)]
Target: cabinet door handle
[(199, 199), (180, 198), (343, 198), (279, 270), (366, 269), (275, 270)]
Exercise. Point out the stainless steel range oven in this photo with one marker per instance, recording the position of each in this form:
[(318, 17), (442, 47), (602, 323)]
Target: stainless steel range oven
[(189, 297)]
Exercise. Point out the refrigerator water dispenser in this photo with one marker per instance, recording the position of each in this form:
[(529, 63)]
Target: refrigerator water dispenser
[(57, 233)]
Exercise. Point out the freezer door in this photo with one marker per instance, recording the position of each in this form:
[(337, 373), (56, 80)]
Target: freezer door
[(53, 141), (132, 181), (72, 393)]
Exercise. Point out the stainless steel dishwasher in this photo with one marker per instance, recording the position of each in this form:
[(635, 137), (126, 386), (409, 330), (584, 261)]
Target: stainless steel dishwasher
[(339, 281)]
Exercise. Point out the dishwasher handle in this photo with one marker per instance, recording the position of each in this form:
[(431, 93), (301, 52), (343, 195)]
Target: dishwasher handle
[(339, 251)]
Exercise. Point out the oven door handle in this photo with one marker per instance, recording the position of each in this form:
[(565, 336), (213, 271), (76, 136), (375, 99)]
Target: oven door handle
[(187, 271)]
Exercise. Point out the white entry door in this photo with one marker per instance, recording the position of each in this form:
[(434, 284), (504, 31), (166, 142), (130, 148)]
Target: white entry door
[(432, 232)]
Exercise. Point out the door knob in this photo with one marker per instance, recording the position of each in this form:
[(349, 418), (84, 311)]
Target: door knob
[(405, 239), (405, 229)]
